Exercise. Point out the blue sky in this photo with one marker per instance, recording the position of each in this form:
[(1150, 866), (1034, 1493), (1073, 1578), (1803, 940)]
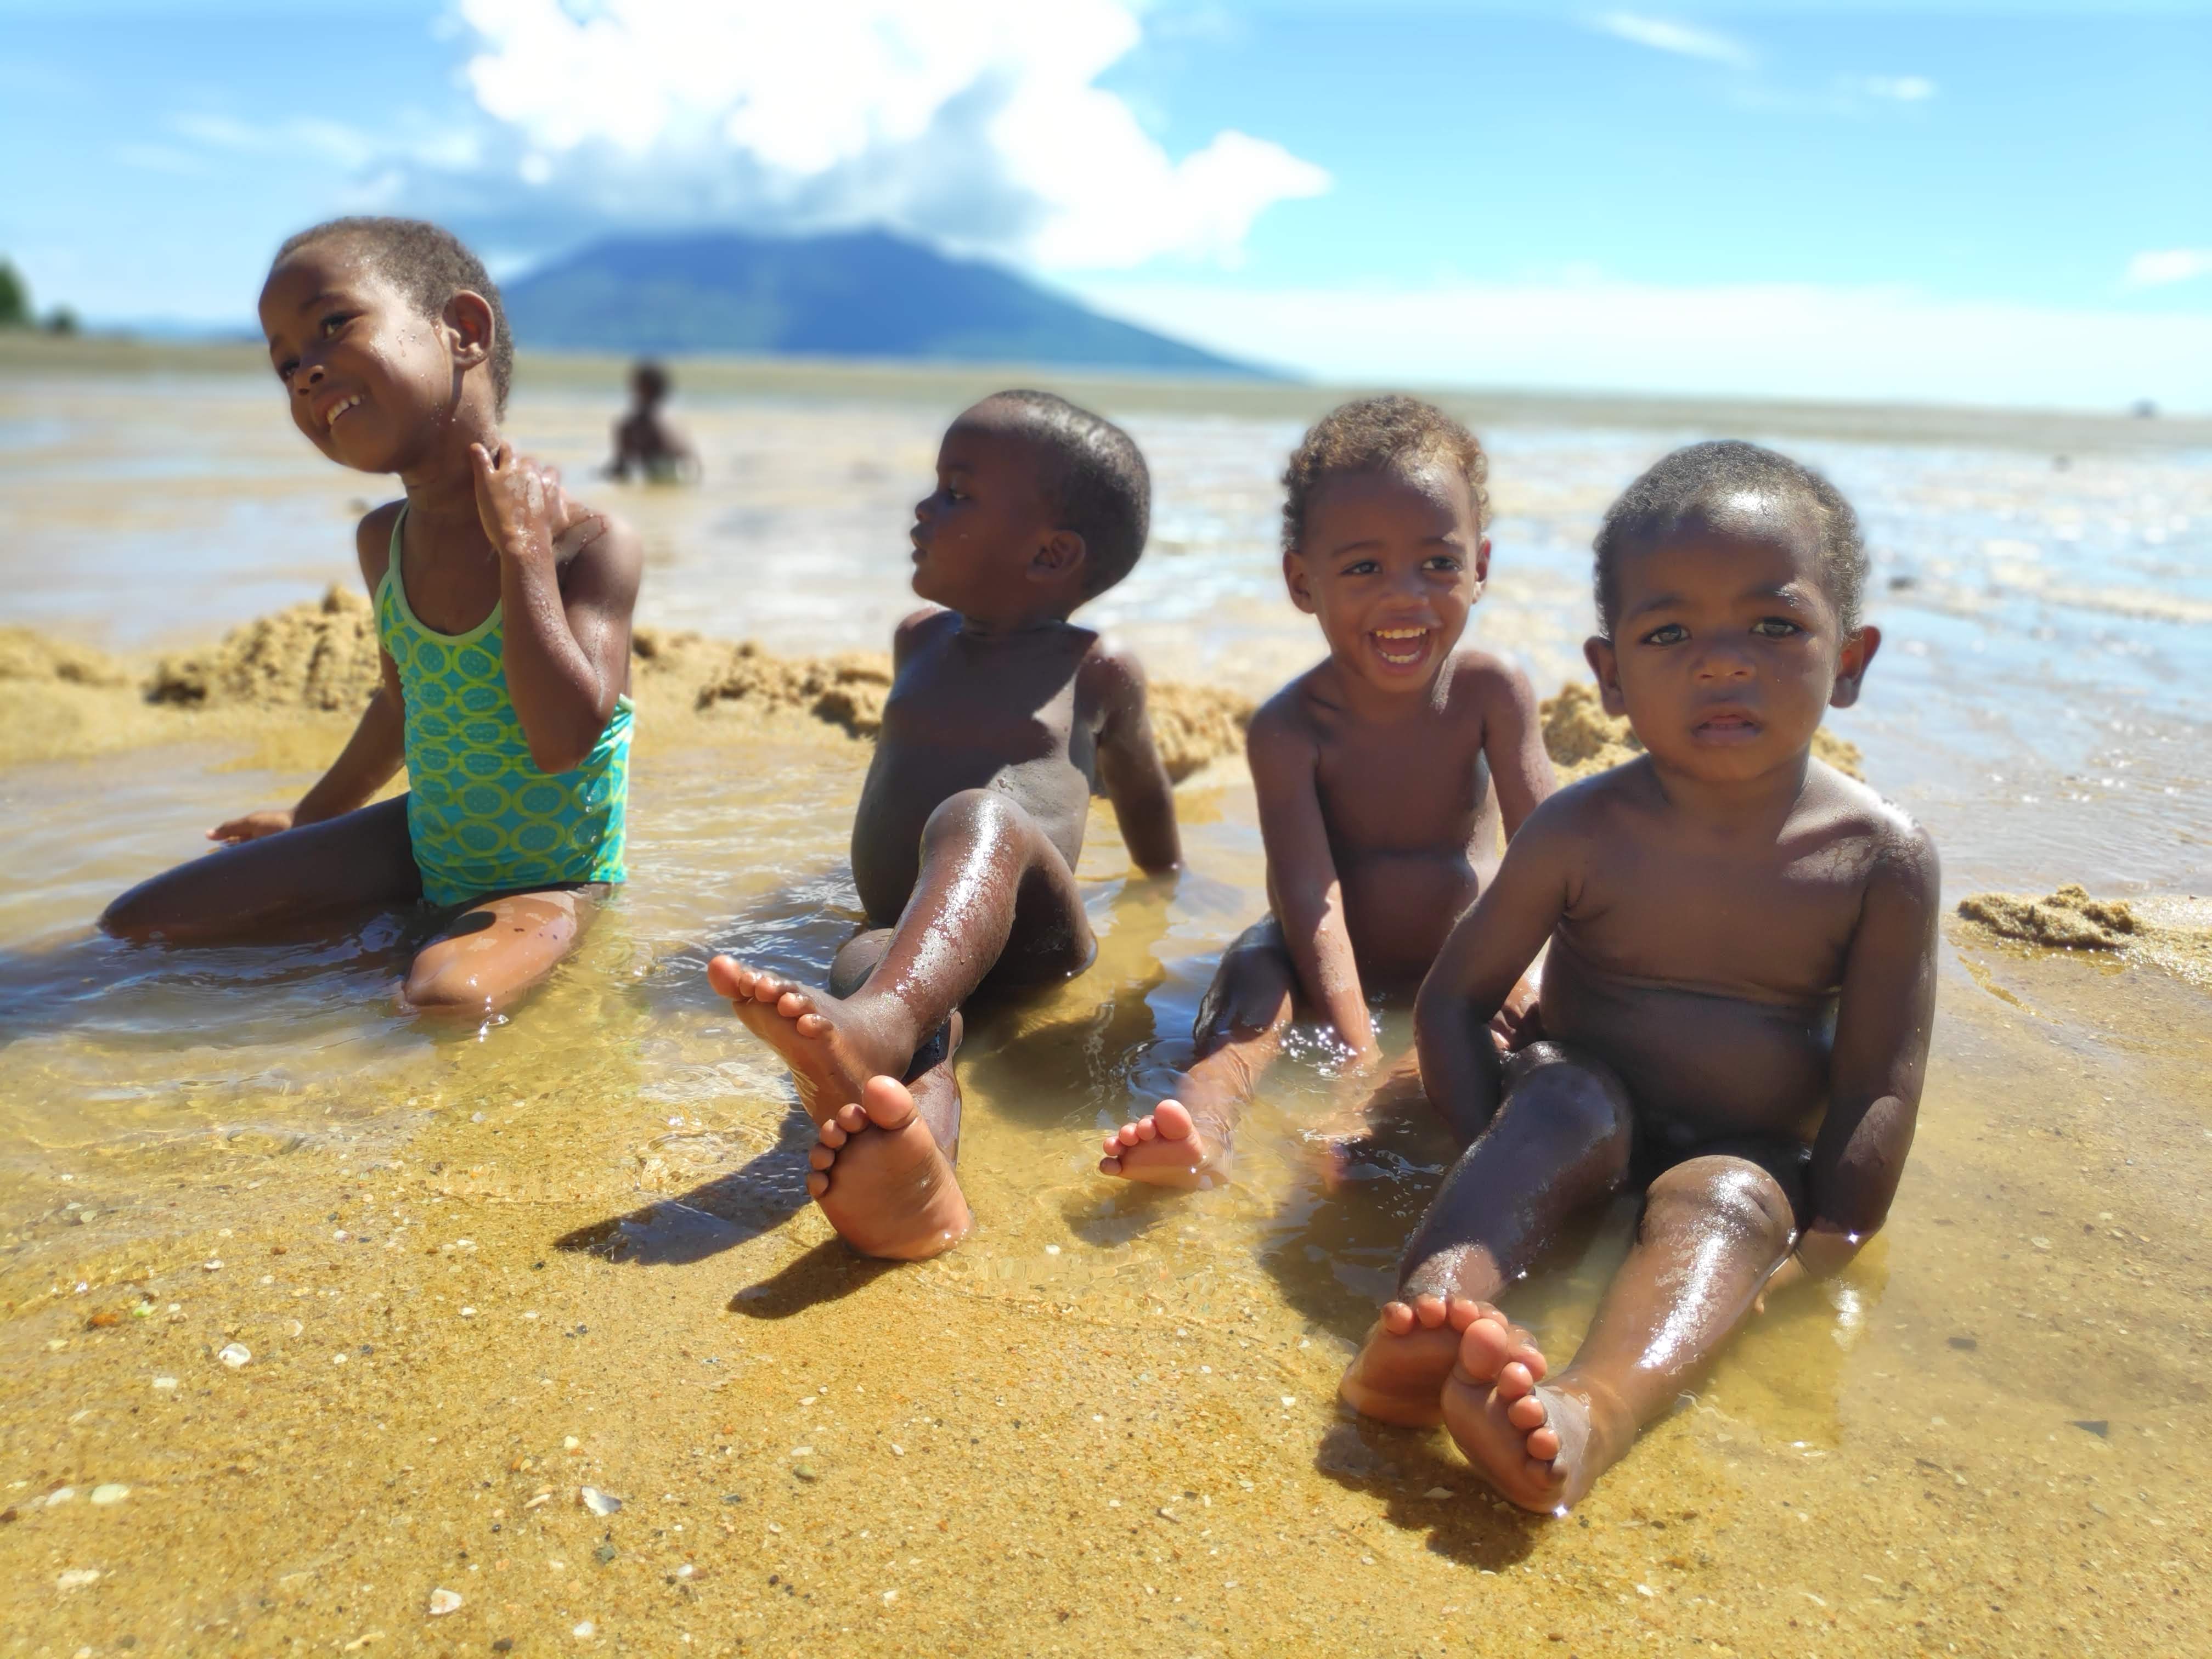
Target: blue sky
[(2000, 205)]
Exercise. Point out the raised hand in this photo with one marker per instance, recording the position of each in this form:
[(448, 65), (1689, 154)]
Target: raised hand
[(514, 501), (253, 826)]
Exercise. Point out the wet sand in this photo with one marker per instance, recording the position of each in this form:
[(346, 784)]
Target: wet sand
[(1106, 1423)]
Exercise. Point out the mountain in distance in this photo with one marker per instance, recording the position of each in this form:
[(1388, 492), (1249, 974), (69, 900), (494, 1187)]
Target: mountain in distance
[(861, 293)]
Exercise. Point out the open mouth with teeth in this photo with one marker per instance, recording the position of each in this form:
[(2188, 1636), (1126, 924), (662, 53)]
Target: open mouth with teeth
[(340, 408), (1401, 647)]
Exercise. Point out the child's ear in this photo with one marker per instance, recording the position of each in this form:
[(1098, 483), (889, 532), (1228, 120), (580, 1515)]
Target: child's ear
[(470, 328), (1061, 557), (1294, 578), (1481, 565), (1598, 652), (1852, 665)]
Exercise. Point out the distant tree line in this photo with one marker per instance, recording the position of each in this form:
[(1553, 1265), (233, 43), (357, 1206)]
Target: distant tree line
[(15, 306)]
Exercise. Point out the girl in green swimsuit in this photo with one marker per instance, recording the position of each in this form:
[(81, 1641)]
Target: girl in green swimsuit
[(503, 610)]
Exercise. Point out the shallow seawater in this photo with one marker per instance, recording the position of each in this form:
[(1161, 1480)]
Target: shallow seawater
[(1105, 1421)]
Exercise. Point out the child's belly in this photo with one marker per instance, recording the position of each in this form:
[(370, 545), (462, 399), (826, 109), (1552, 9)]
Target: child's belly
[(1398, 908), (1705, 1062), (908, 783)]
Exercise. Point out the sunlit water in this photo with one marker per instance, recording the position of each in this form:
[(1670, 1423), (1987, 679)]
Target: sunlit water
[(2033, 703)]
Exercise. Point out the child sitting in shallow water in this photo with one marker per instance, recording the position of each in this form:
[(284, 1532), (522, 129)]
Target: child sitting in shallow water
[(1002, 715), (1736, 1006), (645, 442), (1384, 774), (503, 614)]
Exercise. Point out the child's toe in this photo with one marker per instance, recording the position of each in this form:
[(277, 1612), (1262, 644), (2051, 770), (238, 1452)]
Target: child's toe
[(1527, 1414), (1397, 1318)]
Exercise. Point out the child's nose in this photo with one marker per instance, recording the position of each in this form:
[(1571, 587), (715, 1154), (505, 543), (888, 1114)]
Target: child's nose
[(1723, 659)]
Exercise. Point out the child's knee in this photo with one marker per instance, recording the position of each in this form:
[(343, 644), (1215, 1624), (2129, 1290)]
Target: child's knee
[(1734, 1193), (128, 917), (1571, 1098), (438, 982), (971, 812)]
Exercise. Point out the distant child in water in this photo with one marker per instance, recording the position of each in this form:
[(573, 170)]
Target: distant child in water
[(503, 613), (1736, 1006), (1384, 774), (645, 442), (1003, 717)]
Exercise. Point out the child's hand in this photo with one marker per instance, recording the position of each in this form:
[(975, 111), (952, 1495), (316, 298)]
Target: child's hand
[(253, 826), (1518, 1022), (516, 501)]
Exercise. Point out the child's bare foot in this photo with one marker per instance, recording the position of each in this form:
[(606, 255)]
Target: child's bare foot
[(1541, 1448), (1398, 1373), (831, 1051), (880, 1178), (1167, 1148)]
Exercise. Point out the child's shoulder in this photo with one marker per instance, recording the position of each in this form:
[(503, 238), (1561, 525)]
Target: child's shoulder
[(1895, 845), (372, 539), (1480, 687)]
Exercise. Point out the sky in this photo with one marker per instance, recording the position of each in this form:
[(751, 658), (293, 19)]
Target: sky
[(2007, 205)]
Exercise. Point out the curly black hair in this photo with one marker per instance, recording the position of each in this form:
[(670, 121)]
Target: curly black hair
[(1384, 434), (427, 263), (1699, 473), (1100, 488)]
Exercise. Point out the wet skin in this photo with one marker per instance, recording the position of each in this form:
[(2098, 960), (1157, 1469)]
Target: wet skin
[(376, 385), (1002, 716), (1384, 775), (1737, 1000)]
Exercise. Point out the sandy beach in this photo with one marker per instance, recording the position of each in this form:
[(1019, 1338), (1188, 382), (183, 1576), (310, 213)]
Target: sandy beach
[(322, 1331)]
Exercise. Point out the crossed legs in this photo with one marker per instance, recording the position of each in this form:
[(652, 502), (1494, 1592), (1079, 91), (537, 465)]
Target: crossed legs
[(1713, 1228), (995, 899), (480, 964)]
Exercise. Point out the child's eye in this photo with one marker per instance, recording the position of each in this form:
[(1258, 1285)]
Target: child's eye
[(1667, 634), (284, 369), (1442, 562), (332, 323), (1361, 567), (1775, 628)]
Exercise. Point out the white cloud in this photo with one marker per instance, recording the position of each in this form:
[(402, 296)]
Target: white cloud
[(1681, 38), (1897, 88), (975, 123), (2174, 265), (1758, 340), (333, 142)]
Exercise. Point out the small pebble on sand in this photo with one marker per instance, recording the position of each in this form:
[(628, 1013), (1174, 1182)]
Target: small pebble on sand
[(110, 1492), (587, 1628), (165, 1383), (468, 1313), (599, 1503), (443, 1601), (1438, 1492), (76, 1579), (214, 1267), (569, 1443), (60, 1495), (234, 1354)]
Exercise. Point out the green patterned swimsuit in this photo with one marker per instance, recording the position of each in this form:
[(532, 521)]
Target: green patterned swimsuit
[(483, 819)]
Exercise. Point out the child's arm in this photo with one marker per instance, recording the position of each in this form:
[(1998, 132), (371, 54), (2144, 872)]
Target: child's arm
[(565, 649), (377, 748), (1479, 966), (1301, 876), (1130, 765), (1883, 1018), (1513, 743)]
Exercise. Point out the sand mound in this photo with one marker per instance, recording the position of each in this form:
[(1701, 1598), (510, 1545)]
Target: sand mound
[(1191, 724), (318, 656), (25, 655), (2069, 920), (1195, 724), (848, 690), (2167, 931), (1581, 738)]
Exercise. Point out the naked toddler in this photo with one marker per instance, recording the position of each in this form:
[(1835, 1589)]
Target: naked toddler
[(1736, 1006), (1003, 714)]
